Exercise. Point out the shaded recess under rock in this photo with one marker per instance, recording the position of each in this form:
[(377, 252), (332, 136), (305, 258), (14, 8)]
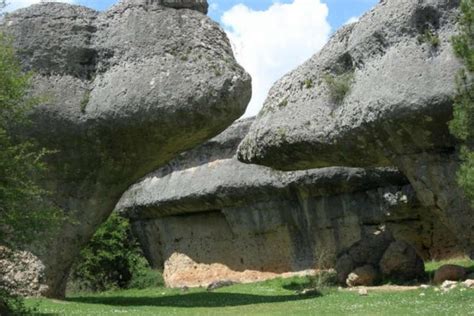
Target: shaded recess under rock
[(205, 216), (123, 91)]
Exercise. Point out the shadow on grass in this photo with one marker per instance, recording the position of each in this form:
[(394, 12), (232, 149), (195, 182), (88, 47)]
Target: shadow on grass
[(189, 300)]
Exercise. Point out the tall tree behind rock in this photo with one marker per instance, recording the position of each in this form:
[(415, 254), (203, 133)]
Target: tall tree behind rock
[(462, 126)]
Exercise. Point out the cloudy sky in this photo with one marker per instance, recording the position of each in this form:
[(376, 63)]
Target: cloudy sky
[(269, 37)]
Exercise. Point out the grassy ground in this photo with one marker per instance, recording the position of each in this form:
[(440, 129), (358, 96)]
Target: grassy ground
[(276, 297)]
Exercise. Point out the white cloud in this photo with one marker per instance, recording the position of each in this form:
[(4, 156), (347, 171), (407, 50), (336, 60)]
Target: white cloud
[(351, 20), (17, 4), (270, 43)]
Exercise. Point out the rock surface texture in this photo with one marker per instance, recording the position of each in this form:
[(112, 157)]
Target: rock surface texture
[(124, 92), (206, 217), (379, 93)]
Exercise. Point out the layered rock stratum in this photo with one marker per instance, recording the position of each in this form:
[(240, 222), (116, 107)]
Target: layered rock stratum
[(206, 217), (380, 93), (123, 92)]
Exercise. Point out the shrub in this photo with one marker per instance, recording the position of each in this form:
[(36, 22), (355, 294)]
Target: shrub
[(111, 260), (338, 85)]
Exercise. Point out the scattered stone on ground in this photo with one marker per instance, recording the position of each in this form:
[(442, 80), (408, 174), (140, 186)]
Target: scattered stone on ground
[(220, 284), (469, 283), (310, 292), (449, 285), (363, 292)]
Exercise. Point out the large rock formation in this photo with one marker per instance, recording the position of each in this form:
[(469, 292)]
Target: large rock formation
[(379, 93), (206, 217), (123, 92)]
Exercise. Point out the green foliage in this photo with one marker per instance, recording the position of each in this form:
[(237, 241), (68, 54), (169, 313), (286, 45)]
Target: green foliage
[(111, 260), (24, 214), (338, 85), (429, 37), (14, 305), (308, 83), (146, 278), (85, 100), (462, 125)]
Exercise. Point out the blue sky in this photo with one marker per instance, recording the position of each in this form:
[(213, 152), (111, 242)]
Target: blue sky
[(269, 37), (339, 10)]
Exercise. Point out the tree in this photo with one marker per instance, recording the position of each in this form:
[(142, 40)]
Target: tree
[(24, 212), (462, 125), (111, 260)]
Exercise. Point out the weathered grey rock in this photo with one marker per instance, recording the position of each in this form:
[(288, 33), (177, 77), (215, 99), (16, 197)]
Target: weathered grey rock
[(206, 217), (125, 91), (400, 262), (363, 276), (379, 93)]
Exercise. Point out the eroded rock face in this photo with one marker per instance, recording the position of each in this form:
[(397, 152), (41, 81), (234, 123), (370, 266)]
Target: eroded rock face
[(206, 217), (125, 91), (379, 93)]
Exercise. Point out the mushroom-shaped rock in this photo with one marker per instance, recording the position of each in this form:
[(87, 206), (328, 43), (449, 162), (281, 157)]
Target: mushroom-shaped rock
[(206, 217), (124, 91), (379, 93)]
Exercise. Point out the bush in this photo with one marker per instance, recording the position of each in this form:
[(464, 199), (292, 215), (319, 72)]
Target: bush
[(462, 125), (338, 85), (112, 260)]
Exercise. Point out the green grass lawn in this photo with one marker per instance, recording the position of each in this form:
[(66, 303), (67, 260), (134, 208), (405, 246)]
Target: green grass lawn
[(276, 297)]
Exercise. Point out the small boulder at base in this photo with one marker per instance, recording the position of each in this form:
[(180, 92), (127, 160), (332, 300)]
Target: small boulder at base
[(469, 283), (401, 262), (449, 272), (366, 276)]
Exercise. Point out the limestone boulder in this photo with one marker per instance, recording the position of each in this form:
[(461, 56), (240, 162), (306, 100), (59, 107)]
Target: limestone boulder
[(379, 93), (205, 216), (449, 272), (123, 92), (400, 262)]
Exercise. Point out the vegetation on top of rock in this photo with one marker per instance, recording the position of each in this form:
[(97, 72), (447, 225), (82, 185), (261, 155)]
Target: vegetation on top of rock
[(338, 85), (462, 126)]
